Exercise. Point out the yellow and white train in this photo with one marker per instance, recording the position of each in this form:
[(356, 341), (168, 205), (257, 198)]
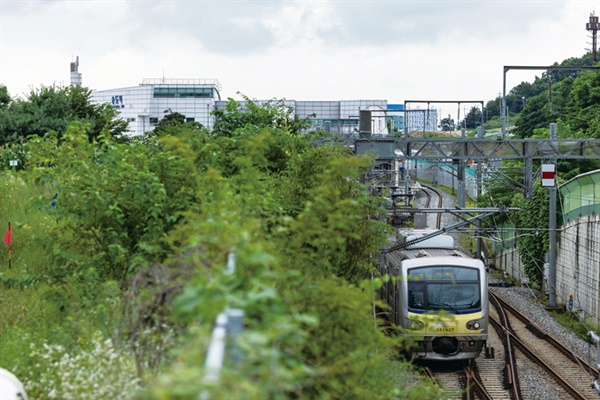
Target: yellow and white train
[(439, 296)]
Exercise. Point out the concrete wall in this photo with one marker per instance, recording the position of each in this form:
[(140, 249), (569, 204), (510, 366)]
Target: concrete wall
[(578, 265), (509, 260), (442, 175)]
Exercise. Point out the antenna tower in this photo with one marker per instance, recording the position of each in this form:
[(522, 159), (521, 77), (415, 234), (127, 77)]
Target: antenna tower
[(593, 26)]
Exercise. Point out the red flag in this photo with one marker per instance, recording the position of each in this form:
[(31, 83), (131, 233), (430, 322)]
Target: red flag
[(8, 236)]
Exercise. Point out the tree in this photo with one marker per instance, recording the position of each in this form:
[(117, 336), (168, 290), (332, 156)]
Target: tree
[(447, 124), (52, 109), (273, 113), (5, 98), (492, 108), (584, 105), (517, 97), (473, 118), (170, 123), (132, 216)]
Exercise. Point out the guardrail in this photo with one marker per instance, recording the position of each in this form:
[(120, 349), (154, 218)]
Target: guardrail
[(229, 324)]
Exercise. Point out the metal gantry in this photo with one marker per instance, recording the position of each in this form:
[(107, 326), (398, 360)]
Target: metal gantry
[(463, 150)]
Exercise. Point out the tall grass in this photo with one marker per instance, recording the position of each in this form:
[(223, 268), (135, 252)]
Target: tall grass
[(61, 334)]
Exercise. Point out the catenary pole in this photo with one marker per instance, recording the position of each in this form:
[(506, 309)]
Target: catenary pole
[(552, 223)]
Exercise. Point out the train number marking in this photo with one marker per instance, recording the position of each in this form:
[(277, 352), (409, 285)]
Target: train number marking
[(444, 330)]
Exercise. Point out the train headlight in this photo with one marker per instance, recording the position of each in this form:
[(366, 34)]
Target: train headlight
[(473, 325), (415, 325)]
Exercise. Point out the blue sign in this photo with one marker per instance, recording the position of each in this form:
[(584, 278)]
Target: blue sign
[(117, 101)]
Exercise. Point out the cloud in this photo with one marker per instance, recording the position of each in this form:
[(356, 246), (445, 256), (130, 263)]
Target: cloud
[(376, 23), (225, 27), (301, 50)]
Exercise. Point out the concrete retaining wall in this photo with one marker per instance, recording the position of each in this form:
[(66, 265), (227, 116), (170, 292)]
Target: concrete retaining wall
[(578, 265), (509, 260), (441, 174)]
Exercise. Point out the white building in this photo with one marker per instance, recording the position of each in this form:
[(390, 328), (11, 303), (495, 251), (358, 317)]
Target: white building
[(144, 105)]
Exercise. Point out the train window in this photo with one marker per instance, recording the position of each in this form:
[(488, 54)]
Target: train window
[(416, 295), (453, 297), (452, 288)]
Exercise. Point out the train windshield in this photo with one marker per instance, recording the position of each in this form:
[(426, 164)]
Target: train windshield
[(451, 288)]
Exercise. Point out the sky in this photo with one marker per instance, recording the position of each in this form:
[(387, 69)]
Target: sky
[(395, 50)]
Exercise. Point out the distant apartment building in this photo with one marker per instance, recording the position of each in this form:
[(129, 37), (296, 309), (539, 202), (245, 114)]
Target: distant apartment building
[(419, 119)]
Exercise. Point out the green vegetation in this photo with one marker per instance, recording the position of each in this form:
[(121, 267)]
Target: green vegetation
[(120, 247), (573, 106), (119, 263), (52, 109), (580, 327)]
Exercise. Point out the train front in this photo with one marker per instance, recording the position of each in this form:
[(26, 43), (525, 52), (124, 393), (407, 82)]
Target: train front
[(445, 307)]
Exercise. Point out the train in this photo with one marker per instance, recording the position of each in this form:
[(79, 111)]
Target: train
[(437, 296)]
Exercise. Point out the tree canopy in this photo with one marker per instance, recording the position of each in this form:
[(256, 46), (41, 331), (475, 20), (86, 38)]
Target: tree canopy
[(52, 109), (447, 124)]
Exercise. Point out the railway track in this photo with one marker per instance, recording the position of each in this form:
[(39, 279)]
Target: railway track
[(501, 340), (464, 380), (483, 379), (571, 373), (431, 193), (450, 376), (493, 372), (492, 376)]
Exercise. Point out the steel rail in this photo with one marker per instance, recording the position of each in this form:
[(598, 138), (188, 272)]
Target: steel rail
[(503, 329), (474, 381), (533, 356), (438, 222), (555, 343)]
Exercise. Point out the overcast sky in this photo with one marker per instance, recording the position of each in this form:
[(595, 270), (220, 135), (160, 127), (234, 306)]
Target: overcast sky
[(393, 50)]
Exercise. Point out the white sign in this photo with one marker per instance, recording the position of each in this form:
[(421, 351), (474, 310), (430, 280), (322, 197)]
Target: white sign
[(13, 163), (548, 174)]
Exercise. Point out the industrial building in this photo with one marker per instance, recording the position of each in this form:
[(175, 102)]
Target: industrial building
[(144, 105)]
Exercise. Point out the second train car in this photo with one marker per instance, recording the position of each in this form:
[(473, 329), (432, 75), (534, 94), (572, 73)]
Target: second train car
[(439, 296)]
